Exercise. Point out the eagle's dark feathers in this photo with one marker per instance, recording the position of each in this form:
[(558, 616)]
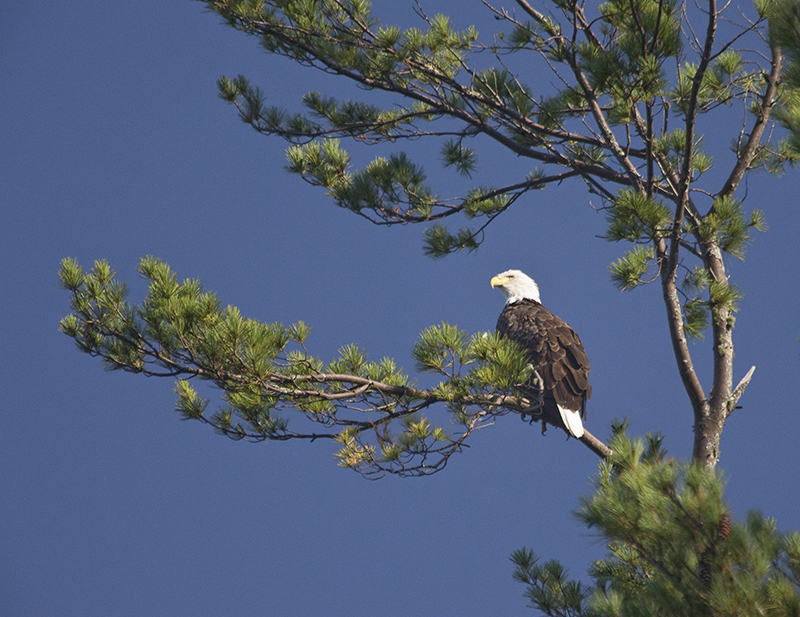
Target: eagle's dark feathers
[(554, 348)]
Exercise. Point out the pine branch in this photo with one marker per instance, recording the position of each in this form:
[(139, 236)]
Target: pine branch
[(263, 370), (768, 101), (597, 120)]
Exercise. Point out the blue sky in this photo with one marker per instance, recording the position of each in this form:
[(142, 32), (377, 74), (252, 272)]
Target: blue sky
[(115, 145)]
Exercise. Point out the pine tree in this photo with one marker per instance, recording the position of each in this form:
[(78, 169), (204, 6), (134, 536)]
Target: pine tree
[(634, 81), (672, 548), (631, 84)]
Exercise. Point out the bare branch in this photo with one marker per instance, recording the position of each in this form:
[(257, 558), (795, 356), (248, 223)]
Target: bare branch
[(738, 391), (595, 445)]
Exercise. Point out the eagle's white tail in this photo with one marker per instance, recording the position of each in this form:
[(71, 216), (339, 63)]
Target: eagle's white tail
[(572, 420)]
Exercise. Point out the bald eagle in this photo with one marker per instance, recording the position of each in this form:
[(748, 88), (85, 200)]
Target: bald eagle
[(553, 347)]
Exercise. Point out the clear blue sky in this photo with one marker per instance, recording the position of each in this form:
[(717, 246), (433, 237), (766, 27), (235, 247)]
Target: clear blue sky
[(113, 144)]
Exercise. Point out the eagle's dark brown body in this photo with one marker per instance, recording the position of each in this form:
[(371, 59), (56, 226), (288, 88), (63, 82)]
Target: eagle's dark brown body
[(557, 352)]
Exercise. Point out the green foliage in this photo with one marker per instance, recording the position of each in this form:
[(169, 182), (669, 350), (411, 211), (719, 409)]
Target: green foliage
[(441, 349), (672, 546), (181, 331), (499, 88), (265, 372), (784, 29), (645, 27), (671, 146), (695, 313), (629, 271), (485, 201), (727, 226), (323, 163), (645, 34), (485, 363), (624, 60), (455, 154), (633, 216), (393, 189), (721, 293), (642, 220), (695, 309), (439, 242), (501, 363), (548, 590)]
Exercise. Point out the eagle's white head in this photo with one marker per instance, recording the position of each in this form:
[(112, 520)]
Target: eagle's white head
[(516, 285)]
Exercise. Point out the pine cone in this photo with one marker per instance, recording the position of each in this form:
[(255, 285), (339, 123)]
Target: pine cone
[(724, 530)]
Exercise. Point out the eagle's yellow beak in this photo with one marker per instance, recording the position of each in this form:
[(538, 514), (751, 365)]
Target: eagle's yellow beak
[(498, 281)]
